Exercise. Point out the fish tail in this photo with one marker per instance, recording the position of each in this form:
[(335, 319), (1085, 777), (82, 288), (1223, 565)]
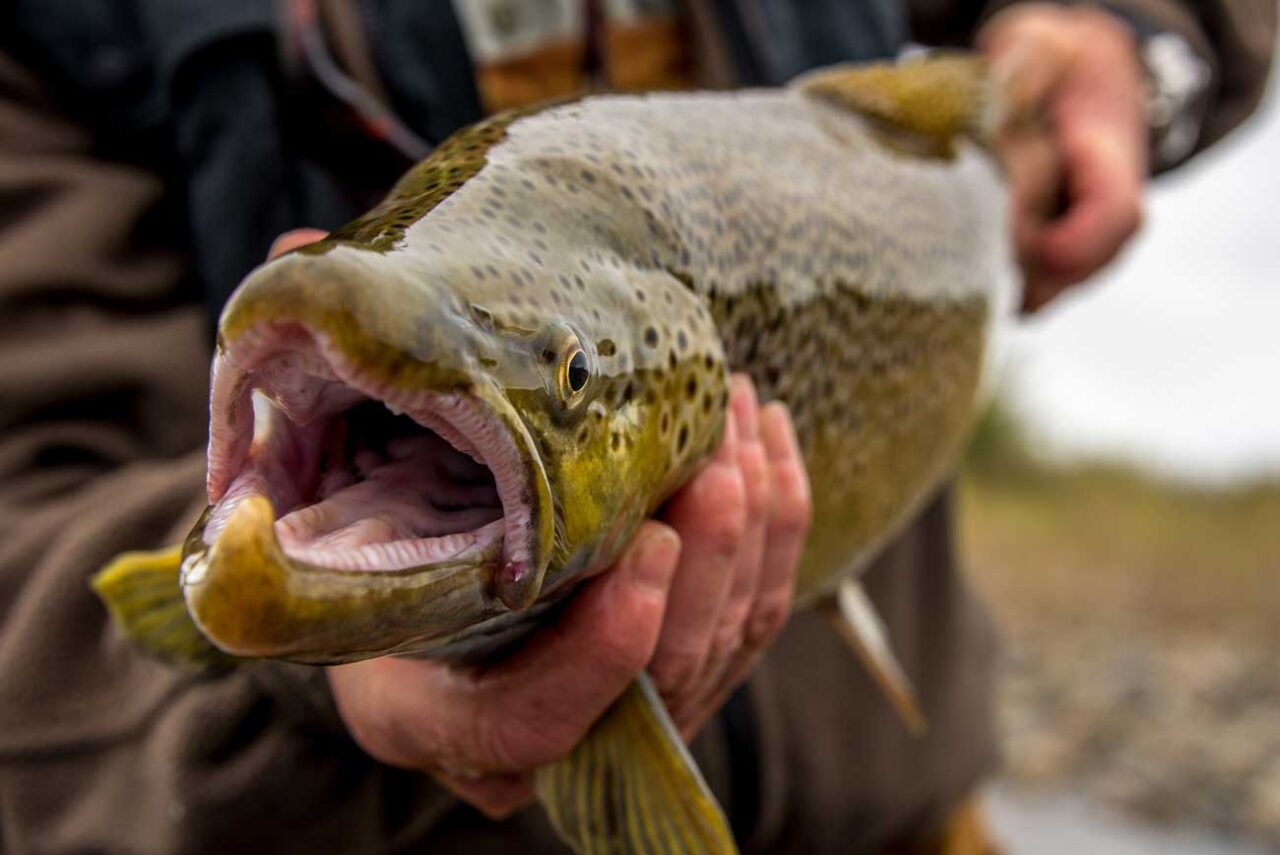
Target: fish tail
[(938, 98), (630, 787)]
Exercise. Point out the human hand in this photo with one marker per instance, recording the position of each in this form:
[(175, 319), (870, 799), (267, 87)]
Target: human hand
[(698, 617), (1080, 68)]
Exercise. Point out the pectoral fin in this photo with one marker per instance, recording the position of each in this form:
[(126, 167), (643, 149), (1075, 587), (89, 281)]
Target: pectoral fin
[(855, 618), (630, 787), (143, 595)]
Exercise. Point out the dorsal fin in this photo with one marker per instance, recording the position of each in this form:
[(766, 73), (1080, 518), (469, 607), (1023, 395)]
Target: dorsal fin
[(937, 98)]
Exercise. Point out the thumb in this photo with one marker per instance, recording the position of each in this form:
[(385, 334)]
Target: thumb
[(291, 240)]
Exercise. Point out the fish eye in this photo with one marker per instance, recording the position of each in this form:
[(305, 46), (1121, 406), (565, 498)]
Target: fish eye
[(577, 372)]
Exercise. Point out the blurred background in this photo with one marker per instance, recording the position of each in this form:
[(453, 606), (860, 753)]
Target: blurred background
[(1122, 512)]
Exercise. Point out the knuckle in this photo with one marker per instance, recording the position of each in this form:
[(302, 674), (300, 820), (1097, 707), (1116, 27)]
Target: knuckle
[(728, 523), (767, 620), (756, 481), (675, 673), (727, 640), (794, 512)]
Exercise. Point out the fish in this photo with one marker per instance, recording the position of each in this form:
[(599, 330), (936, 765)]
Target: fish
[(428, 428)]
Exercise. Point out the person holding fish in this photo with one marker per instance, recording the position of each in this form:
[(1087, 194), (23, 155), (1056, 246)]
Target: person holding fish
[(154, 155)]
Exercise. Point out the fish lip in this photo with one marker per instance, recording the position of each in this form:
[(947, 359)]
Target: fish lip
[(478, 421)]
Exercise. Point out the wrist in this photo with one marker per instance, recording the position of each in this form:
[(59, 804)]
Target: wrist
[(1176, 81)]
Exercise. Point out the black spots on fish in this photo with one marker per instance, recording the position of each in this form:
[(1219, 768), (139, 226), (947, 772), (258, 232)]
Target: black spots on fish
[(650, 397), (708, 403), (672, 360), (682, 438), (640, 296), (682, 340), (606, 347), (615, 441), (691, 388), (651, 336), (548, 356), (482, 316), (628, 393), (664, 423), (584, 434)]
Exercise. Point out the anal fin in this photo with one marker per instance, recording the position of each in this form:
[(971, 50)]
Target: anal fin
[(855, 619), (142, 592), (630, 787)]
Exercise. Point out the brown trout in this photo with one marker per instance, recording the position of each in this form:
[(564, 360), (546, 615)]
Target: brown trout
[(473, 395)]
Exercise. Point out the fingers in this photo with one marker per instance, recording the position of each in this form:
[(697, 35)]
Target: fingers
[(1104, 183), (1030, 51), (291, 240), (534, 706), (1081, 67), (709, 514), (750, 548), (753, 464), (787, 529)]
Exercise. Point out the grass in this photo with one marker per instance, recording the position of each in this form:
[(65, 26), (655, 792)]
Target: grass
[(1103, 541)]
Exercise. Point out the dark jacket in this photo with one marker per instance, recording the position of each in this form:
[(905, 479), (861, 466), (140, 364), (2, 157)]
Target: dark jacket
[(149, 153)]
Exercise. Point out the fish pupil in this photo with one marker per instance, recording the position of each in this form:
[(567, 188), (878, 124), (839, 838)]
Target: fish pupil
[(578, 373)]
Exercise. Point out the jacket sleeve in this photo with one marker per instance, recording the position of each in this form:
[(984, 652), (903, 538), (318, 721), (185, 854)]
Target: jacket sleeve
[(1236, 38), (103, 383)]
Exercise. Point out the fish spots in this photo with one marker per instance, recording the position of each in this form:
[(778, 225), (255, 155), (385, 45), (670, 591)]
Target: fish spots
[(651, 337), (606, 347)]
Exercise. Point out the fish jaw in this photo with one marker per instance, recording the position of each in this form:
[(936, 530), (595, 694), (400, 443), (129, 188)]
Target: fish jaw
[(298, 562)]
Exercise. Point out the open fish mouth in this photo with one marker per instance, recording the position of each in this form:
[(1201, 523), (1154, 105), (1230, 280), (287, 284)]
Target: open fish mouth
[(361, 475)]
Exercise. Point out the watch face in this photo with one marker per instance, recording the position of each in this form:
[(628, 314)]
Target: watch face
[(1177, 78)]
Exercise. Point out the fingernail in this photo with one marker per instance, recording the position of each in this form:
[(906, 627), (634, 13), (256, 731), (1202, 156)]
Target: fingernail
[(655, 557)]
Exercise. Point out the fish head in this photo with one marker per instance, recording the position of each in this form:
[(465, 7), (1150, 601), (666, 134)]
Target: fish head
[(406, 445)]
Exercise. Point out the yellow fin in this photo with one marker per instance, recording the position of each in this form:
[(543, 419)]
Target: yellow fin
[(630, 787), (855, 619), (143, 595), (937, 98)]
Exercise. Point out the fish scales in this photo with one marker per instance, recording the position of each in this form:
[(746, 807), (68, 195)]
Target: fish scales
[(851, 281), (554, 300)]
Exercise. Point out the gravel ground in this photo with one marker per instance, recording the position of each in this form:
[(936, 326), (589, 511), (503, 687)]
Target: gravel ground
[(1064, 824), (1142, 633), (1180, 732)]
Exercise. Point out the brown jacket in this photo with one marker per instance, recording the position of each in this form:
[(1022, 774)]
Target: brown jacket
[(103, 365)]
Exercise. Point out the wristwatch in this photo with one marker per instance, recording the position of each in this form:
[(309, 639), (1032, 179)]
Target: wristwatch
[(1177, 80)]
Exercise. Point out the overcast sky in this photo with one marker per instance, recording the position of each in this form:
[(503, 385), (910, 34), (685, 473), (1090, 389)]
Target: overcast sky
[(1173, 357)]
